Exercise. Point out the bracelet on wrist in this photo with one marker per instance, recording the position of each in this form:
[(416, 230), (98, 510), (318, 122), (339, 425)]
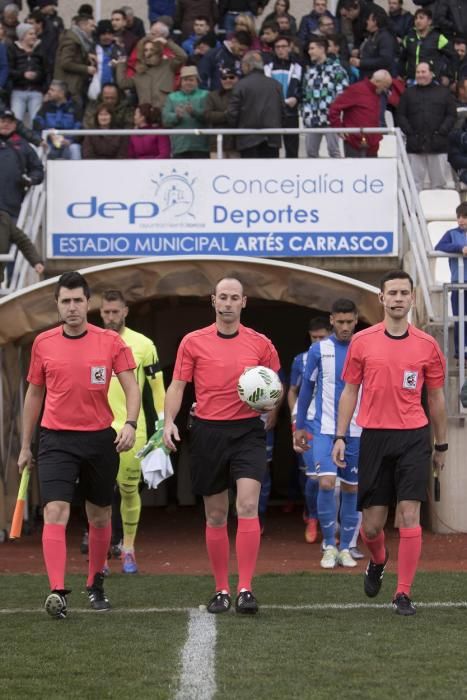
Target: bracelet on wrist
[(442, 447), (340, 437), (133, 423)]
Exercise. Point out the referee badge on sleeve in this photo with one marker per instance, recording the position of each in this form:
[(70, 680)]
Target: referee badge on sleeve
[(410, 379), (98, 375)]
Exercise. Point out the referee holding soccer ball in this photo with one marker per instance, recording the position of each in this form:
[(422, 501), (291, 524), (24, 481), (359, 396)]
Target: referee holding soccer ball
[(228, 438)]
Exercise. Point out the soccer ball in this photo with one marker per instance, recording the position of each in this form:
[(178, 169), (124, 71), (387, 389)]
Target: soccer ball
[(260, 388)]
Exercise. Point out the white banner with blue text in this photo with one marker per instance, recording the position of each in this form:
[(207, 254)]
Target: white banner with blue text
[(268, 208)]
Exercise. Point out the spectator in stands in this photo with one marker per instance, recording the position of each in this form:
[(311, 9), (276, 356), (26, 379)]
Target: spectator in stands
[(310, 23), (86, 9), (59, 112), (4, 71), (215, 113), (112, 97), (20, 167), (229, 55), (134, 24), (126, 39), (457, 147), (49, 9), (460, 61), (107, 51), (461, 101), (155, 77), (323, 81), (269, 34), (426, 114), (104, 147), (184, 109), (148, 146), (327, 28), (188, 11), (281, 10), (451, 17), (48, 29), (256, 103), (200, 28), (337, 51), (229, 9), (27, 73), (423, 44), (76, 59), (379, 50), (158, 30), (400, 21), (455, 241), (12, 235), (288, 74), (10, 20), (361, 105), (285, 27), (160, 8), (356, 13), (203, 45), (246, 23)]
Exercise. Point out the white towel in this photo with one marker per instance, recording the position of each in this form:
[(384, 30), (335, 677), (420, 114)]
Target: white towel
[(156, 467)]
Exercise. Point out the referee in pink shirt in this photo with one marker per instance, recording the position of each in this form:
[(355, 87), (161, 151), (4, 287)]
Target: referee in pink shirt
[(392, 361), (228, 438), (71, 366)]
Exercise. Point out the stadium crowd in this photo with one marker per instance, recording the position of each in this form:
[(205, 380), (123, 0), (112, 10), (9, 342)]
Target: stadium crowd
[(199, 64)]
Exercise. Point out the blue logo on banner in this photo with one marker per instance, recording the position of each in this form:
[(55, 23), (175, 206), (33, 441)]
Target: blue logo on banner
[(175, 194)]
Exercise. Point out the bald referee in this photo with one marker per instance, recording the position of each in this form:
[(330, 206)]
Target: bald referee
[(392, 362), (228, 438), (71, 366)]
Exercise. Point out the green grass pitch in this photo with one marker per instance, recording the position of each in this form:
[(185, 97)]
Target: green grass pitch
[(299, 646)]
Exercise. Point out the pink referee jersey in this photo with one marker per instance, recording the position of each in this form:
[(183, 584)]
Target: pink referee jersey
[(214, 363), (76, 372), (392, 372)]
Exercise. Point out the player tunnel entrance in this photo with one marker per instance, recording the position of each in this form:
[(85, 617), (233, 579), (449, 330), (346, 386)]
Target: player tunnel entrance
[(169, 297)]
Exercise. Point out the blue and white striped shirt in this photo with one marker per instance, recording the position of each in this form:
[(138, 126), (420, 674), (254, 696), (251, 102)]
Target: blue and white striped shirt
[(324, 365)]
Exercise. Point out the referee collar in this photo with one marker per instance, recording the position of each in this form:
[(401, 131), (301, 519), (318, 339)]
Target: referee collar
[(226, 336), (74, 337), (397, 337)]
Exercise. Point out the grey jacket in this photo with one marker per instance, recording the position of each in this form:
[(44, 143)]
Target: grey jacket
[(256, 103)]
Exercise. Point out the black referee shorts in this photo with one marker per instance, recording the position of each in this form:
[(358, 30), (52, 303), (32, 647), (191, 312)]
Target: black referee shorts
[(68, 455), (221, 450), (393, 466)]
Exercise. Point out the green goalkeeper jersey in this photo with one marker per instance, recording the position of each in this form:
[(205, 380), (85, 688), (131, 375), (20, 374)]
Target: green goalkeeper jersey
[(147, 369)]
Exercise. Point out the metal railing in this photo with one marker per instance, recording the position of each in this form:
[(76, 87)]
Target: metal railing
[(30, 221)]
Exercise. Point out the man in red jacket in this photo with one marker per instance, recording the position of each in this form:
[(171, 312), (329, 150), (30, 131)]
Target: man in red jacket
[(362, 105)]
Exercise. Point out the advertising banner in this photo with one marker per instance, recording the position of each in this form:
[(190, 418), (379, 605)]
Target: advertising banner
[(268, 208)]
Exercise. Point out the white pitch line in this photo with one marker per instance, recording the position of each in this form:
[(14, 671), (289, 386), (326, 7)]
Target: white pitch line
[(197, 676), (298, 608)]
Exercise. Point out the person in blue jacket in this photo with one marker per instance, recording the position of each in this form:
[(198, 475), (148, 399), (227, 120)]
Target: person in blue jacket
[(455, 241)]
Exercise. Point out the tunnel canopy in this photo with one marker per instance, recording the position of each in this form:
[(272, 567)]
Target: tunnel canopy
[(33, 309)]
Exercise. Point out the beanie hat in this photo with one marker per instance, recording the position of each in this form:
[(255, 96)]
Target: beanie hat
[(104, 26)]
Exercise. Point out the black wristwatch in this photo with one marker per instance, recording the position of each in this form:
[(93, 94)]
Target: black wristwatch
[(340, 437), (442, 447), (133, 423)]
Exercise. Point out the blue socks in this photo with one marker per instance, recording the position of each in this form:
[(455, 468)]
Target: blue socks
[(348, 517), (311, 497), (327, 516)]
